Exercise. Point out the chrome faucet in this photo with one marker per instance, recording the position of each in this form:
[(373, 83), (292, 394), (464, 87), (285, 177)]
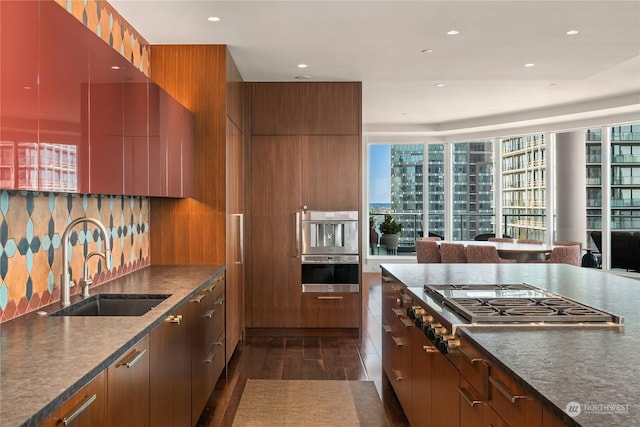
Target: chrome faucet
[(65, 278), (86, 279)]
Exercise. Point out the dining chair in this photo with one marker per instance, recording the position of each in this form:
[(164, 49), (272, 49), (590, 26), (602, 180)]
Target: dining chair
[(500, 239), (452, 253), (533, 241), (485, 254), (427, 251), (567, 243), (566, 255)]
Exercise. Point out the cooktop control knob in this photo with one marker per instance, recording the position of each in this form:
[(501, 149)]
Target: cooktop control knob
[(434, 330), (441, 336), (418, 321), (447, 344)]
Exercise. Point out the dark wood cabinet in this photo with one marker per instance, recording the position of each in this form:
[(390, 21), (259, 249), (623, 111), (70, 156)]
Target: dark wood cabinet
[(170, 370), (304, 151), (86, 408), (275, 294), (128, 387), (331, 310), (235, 238), (335, 108), (331, 176), (207, 343)]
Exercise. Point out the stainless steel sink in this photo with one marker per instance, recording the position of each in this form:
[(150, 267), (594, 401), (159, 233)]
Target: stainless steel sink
[(113, 305)]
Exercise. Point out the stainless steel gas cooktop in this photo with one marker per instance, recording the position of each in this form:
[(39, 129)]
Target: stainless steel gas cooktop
[(515, 303)]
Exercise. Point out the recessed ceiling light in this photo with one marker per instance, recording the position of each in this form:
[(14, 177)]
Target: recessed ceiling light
[(302, 65), (27, 87), (572, 32), (427, 51), (115, 67), (530, 64), (213, 19), (553, 84), (439, 85), (453, 32)]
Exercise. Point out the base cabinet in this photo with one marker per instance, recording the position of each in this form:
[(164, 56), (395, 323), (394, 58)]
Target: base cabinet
[(331, 310), (170, 371), (128, 387), (460, 389), (86, 408), (207, 343)]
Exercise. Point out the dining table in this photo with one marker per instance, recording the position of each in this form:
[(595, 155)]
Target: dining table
[(521, 252)]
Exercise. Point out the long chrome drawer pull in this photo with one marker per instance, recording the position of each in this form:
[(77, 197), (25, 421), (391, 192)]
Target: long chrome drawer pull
[(467, 397), (330, 298), (387, 328), (397, 341), (430, 349), (220, 301), (505, 392), (221, 342), (211, 288), (174, 319), (135, 358), (470, 359), (387, 279), (397, 374), (198, 298), (209, 314), (77, 410)]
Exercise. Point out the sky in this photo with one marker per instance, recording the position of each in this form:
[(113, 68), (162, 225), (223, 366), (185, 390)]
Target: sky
[(379, 173)]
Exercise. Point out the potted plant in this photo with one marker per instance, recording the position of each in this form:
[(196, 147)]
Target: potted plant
[(390, 230)]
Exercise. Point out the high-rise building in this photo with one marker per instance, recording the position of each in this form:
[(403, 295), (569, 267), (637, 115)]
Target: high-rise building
[(524, 187)]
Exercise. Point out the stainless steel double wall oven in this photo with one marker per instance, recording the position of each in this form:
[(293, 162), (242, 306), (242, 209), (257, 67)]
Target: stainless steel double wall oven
[(329, 247)]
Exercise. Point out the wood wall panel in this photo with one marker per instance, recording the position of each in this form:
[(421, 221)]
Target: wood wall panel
[(336, 108), (280, 109), (194, 232), (331, 172)]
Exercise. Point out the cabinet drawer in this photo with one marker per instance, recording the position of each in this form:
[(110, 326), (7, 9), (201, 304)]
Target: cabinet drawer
[(492, 419), (331, 310), (473, 367), (85, 408), (471, 405), (512, 402)]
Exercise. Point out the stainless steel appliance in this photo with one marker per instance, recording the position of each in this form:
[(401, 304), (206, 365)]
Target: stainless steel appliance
[(329, 232), (330, 258), (447, 307)]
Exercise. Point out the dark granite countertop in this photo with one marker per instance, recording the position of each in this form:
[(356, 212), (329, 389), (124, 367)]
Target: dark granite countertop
[(599, 368), (45, 359)]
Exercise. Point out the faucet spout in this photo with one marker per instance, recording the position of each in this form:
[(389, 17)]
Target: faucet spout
[(65, 278)]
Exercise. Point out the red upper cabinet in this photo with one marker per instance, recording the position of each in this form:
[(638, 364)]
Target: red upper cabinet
[(19, 95), (64, 91), (106, 121), (187, 152), (157, 152), (78, 117), (136, 141)]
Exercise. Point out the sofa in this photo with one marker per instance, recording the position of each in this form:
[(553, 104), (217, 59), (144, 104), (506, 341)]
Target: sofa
[(625, 248)]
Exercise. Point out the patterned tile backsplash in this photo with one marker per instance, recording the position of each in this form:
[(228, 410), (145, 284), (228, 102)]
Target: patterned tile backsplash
[(31, 229)]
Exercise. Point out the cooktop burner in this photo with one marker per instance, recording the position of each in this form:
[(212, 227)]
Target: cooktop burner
[(512, 303)]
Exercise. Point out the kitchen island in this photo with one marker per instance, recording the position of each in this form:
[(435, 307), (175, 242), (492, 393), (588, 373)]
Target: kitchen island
[(595, 367), (46, 359)]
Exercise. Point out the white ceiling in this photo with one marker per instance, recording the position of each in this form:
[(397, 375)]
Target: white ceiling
[(595, 73)]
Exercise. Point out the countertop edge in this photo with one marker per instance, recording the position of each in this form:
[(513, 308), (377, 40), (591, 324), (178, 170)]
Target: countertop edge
[(41, 414)]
